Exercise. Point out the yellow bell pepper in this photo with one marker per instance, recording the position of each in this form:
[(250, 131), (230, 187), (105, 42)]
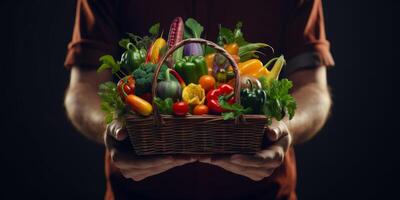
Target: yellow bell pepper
[(253, 67), (193, 94)]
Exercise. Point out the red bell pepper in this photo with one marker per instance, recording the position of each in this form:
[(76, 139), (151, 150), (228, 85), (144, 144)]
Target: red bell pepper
[(213, 97)]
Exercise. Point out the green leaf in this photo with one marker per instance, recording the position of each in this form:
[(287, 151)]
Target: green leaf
[(226, 34), (250, 50), (238, 35), (234, 110), (111, 103), (155, 29), (141, 42), (110, 62), (108, 118), (108, 59), (228, 115), (193, 29), (164, 106), (116, 68), (103, 67), (124, 43)]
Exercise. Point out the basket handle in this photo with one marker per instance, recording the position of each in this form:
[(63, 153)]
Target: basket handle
[(157, 116)]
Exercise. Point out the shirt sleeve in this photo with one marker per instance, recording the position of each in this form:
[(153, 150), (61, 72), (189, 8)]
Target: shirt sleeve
[(305, 43), (95, 33)]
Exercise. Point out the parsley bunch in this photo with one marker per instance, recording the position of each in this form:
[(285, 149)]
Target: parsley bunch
[(111, 103), (279, 101)]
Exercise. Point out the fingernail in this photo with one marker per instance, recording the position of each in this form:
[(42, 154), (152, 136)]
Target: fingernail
[(274, 134), (120, 134)]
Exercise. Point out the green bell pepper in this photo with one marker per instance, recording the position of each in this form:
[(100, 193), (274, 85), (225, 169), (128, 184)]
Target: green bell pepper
[(253, 98), (191, 68), (133, 57)]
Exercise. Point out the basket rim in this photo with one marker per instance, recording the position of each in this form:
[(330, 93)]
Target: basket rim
[(190, 116)]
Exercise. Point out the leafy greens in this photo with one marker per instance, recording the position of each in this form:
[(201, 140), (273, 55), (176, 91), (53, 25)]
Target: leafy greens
[(279, 101), (111, 103), (233, 110)]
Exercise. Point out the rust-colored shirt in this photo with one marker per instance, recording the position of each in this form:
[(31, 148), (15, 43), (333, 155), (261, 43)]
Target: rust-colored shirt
[(294, 28)]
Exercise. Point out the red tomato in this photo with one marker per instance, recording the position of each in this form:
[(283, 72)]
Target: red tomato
[(207, 82), (180, 108), (200, 109)]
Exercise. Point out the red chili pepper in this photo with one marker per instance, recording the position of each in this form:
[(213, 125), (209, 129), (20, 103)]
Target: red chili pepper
[(213, 95), (178, 78), (126, 86)]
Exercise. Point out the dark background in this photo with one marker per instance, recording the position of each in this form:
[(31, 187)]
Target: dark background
[(43, 157)]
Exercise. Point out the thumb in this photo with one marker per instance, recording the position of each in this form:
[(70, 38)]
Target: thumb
[(116, 130), (276, 130)]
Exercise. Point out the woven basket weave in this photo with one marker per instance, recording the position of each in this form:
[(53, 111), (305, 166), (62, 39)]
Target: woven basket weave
[(195, 134)]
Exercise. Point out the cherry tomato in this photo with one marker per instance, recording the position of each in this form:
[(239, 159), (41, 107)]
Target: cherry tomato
[(207, 82), (200, 109), (180, 108)]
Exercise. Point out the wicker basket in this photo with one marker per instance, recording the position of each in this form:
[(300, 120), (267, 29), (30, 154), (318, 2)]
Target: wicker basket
[(195, 134)]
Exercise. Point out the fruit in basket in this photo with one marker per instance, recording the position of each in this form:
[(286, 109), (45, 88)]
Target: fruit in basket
[(200, 109), (191, 68), (126, 86), (154, 53), (223, 91), (253, 97), (193, 94), (169, 88), (207, 82), (139, 105), (180, 108)]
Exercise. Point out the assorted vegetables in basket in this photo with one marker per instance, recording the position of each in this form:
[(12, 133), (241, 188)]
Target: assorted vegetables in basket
[(173, 81)]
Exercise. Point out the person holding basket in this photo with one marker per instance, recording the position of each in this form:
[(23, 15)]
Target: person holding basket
[(296, 27)]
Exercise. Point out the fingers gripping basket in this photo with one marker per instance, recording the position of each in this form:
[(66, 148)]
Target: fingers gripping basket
[(195, 134)]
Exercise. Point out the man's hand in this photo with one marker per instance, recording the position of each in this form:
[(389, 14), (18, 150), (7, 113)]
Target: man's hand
[(137, 167), (263, 163)]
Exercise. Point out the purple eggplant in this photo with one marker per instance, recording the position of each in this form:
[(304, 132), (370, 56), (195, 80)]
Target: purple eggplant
[(193, 49)]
